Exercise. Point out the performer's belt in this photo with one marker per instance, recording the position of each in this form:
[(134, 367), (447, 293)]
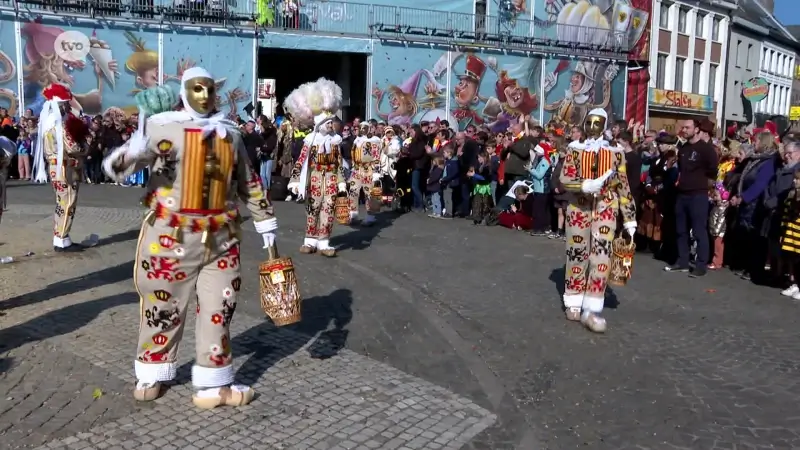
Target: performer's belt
[(68, 162), (195, 222), (325, 167)]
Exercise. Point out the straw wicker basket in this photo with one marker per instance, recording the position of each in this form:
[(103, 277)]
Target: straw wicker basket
[(622, 251), (342, 210), (280, 293)]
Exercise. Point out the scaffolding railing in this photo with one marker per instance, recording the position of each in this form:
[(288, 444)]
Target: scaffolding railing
[(350, 19)]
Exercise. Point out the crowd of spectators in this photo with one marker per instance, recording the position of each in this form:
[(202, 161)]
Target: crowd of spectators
[(702, 203)]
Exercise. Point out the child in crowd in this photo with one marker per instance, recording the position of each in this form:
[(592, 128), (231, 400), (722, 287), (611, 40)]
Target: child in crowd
[(520, 214), (560, 195), (434, 186), (717, 223), (481, 178), (450, 180), (790, 226)]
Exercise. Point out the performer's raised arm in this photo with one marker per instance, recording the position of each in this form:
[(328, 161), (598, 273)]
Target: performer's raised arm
[(138, 152)]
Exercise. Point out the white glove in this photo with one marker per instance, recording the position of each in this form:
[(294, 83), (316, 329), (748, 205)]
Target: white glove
[(269, 239), (376, 177), (137, 144), (342, 187), (293, 187), (630, 228), (594, 186)]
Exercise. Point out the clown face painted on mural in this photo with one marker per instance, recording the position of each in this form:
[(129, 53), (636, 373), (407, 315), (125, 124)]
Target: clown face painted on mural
[(101, 85), (494, 90), (572, 87)]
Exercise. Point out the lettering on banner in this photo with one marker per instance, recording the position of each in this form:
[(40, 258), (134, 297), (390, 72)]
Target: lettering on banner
[(334, 12), (678, 99)]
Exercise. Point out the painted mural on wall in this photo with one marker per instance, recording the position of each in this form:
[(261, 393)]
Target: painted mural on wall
[(228, 58), (8, 68), (122, 62), (572, 87), (411, 85)]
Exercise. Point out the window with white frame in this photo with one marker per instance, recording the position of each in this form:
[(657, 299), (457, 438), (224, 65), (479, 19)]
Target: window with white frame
[(749, 51), (682, 13), (715, 28), (661, 71), (699, 25), (698, 67), (740, 58), (712, 80), (679, 65), (663, 16)]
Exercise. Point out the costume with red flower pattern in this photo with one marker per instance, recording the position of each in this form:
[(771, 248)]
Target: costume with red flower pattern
[(594, 172), (189, 243), (58, 156), (366, 154), (318, 175)]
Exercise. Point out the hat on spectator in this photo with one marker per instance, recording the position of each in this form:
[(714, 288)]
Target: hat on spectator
[(707, 126), (667, 139)]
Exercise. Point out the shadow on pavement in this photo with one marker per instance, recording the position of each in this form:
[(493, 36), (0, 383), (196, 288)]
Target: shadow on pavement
[(103, 277), (125, 236), (557, 277), (61, 321), (265, 345), (361, 237)]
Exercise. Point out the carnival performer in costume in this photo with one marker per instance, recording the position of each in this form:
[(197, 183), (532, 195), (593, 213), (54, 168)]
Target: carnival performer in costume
[(61, 146), (390, 150), (365, 172), (319, 173), (190, 240), (594, 171), (8, 148)]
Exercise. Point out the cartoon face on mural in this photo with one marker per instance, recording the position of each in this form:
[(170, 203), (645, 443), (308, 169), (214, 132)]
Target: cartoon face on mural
[(491, 90), (572, 87), (100, 84)]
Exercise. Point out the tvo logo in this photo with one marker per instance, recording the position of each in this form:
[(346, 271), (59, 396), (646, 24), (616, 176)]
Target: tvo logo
[(72, 46)]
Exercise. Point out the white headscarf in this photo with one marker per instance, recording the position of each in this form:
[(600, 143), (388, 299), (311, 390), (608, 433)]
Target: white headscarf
[(49, 118)]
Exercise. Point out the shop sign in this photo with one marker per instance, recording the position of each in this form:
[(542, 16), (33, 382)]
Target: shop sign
[(683, 100), (794, 113), (755, 89)]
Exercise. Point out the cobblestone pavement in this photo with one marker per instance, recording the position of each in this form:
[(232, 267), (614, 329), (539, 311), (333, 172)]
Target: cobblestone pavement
[(421, 332)]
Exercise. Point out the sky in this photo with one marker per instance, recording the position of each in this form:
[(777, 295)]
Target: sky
[(788, 11)]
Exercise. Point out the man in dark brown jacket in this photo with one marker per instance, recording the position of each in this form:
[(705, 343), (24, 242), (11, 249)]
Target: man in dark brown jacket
[(517, 156)]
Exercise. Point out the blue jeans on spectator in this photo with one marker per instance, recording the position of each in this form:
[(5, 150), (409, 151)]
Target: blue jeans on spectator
[(266, 173), (416, 190), (691, 213), (436, 202)]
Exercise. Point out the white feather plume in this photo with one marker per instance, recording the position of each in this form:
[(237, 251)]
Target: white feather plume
[(311, 99)]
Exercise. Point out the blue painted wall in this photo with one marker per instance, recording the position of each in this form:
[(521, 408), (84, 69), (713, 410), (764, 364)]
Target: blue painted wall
[(410, 83), (126, 61), (8, 68), (229, 58)]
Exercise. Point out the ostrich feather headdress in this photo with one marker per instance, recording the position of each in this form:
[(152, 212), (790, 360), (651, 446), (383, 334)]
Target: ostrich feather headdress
[(314, 103)]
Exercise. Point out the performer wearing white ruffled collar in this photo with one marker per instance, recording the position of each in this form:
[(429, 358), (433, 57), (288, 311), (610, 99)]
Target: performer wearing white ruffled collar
[(319, 172), (61, 146), (365, 172), (190, 240), (594, 171)]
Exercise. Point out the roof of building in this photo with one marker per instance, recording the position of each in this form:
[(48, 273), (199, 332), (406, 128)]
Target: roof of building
[(760, 12)]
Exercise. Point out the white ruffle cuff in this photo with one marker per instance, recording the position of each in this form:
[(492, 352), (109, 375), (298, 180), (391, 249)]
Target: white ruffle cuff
[(266, 226)]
